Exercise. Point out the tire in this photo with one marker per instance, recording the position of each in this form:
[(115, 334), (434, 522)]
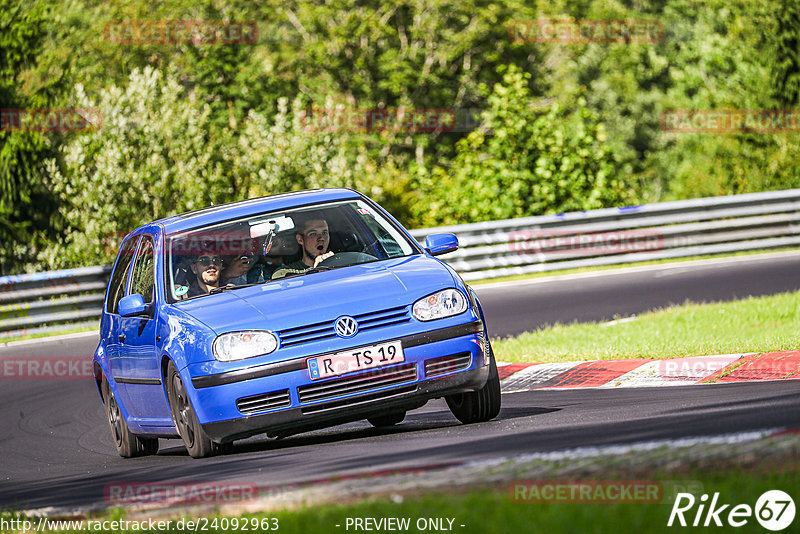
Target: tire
[(390, 419), (128, 444), (478, 406), (197, 442)]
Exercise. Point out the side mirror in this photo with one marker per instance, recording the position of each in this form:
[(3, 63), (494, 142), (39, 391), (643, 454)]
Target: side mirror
[(132, 305), (438, 244)]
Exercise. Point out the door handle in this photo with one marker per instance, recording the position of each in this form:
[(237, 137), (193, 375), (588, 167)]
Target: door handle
[(122, 338)]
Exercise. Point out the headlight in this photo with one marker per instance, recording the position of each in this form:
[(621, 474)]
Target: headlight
[(443, 304), (240, 345)]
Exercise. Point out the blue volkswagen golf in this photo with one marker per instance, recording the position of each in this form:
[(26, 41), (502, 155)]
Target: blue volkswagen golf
[(284, 314)]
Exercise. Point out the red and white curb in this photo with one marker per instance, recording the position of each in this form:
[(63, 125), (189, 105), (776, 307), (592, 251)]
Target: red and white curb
[(516, 377)]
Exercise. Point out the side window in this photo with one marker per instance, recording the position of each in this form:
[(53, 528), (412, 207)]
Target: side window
[(385, 240), (143, 279), (116, 288)]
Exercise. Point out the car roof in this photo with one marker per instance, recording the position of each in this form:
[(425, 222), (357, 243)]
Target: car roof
[(253, 206)]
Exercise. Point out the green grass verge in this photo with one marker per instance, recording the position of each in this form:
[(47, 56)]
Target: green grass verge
[(491, 511), (755, 324), (66, 330), (562, 272), (495, 510)]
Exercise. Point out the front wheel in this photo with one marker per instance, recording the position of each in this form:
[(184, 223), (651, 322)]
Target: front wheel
[(478, 406), (194, 437), (128, 444)]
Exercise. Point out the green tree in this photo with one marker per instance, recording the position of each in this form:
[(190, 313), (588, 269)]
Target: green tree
[(156, 153), (28, 207), (287, 152), (785, 64), (720, 58), (528, 159)]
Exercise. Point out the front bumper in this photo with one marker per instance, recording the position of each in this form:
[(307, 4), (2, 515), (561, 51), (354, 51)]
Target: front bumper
[(440, 362), (294, 420)]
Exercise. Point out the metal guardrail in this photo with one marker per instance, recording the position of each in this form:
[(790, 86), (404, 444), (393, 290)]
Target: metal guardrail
[(42, 302), (755, 221)]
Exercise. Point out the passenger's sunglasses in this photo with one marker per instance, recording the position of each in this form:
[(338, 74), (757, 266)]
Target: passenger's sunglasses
[(247, 260), (205, 261)]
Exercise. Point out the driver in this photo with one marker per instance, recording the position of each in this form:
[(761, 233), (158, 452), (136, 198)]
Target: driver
[(206, 269), (313, 237)]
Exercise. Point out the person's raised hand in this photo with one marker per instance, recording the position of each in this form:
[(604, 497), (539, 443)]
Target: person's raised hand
[(322, 257)]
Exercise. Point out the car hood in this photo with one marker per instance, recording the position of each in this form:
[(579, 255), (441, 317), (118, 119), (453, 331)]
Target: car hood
[(322, 296)]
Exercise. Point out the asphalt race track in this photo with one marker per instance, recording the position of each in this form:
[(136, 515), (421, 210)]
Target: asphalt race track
[(56, 450), (62, 454), (516, 307)]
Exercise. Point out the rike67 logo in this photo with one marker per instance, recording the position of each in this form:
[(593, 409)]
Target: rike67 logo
[(774, 510)]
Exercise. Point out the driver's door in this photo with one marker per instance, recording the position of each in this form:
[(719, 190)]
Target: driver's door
[(139, 369)]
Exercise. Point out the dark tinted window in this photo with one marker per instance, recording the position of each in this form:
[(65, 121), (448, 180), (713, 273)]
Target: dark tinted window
[(143, 279), (116, 288), (356, 233)]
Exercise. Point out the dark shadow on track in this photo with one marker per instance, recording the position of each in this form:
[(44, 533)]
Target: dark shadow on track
[(538, 421)]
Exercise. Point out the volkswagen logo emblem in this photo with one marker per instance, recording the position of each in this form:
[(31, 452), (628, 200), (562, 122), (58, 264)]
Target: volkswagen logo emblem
[(346, 326)]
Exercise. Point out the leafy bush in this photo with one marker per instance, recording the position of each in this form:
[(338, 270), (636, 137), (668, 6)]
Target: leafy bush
[(571, 126), (527, 160), (156, 153)]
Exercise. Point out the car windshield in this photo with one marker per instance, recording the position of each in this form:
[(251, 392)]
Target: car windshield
[(271, 246)]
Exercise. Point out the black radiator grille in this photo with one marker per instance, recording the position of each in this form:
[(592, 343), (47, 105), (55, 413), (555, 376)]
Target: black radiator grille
[(325, 330), (265, 401), (447, 364)]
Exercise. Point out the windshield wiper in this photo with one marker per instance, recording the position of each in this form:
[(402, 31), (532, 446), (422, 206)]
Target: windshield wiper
[(310, 270), (318, 268), (220, 289)]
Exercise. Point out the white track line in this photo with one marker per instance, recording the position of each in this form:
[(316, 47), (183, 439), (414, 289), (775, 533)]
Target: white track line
[(50, 339), (694, 264), (534, 376), (623, 449)]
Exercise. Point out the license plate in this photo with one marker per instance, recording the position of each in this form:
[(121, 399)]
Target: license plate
[(348, 361)]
